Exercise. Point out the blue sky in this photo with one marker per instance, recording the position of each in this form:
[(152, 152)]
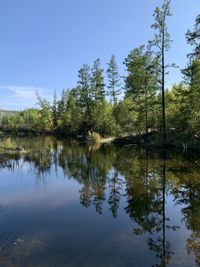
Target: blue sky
[(44, 43)]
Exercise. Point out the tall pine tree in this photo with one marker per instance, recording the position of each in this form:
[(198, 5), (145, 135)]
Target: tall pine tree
[(97, 82), (85, 98), (140, 84), (160, 45), (113, 80)]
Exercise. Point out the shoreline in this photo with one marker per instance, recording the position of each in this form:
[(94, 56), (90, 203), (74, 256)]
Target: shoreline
[(154, 141)]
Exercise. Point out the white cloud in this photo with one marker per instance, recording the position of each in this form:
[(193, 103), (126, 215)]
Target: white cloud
[(20, 97), (25, 91)]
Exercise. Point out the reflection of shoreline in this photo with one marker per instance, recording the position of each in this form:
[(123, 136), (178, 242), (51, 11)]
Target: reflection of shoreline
[(188, 196), (107, 174)]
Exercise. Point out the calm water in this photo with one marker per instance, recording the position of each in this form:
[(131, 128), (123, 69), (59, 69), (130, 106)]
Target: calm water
[(69, 205)]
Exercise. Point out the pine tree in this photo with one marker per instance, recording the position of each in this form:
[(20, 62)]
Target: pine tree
[(55, 111), (192, 77), (84, 83), (85, 98), (160, 45), (193, 38), (140, 83), (62, 103), (114, 80), (97, 82)]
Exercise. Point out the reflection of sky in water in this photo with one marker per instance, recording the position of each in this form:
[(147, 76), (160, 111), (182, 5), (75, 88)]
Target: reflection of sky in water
[(45, 223)]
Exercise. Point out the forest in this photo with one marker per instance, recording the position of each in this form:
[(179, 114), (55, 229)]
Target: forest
[(136, 107)]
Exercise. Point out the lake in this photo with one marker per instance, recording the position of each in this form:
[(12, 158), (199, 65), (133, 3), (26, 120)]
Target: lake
[(68, 204)]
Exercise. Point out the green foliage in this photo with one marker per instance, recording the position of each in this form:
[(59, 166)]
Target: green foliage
[(29, 120), (113, 80), (192, 79), (193, 38), (46, 115), (141, 86), (126, 117), (69, 112), (97, 82), (147, 109), (55, 111), (159, 46)]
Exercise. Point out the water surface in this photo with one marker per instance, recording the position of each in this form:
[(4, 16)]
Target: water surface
[(67, 204)]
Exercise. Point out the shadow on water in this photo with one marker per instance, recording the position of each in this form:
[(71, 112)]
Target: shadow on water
[(131, 181)]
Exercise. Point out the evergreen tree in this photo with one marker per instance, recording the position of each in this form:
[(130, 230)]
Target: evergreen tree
[(160, 45), (45, 120), (193, 38), (62, 103), (192, 77), (85, 98), (85, 86), (97, 82), (140, 83), (113, 79), (55, 111)]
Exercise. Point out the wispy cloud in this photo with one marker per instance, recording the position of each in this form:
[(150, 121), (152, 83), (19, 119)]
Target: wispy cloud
[(26, 91), (19, 97)]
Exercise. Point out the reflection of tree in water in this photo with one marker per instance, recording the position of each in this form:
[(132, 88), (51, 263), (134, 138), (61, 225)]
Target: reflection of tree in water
[(193, 243), (115, 192), (40, 156), (93, 193), (90, 168), (187, 194), (99, 171), (10, 160), (37, 153), (93, 180), (146, 191)]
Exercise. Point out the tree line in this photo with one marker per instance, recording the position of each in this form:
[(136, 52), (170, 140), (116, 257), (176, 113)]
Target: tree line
[(141, 107)]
